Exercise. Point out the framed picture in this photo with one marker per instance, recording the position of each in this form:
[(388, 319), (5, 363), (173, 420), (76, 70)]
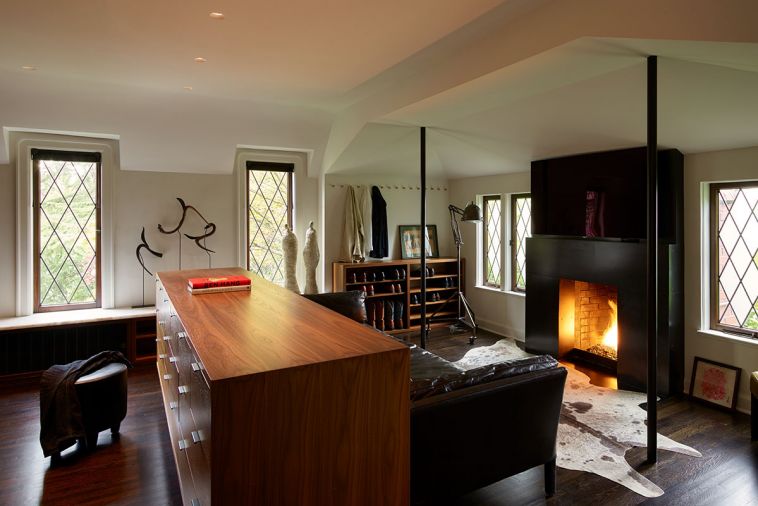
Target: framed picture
[(714, 383), (410, 241)]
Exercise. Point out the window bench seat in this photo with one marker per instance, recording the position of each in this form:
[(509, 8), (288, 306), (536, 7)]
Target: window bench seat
[(33, 343)]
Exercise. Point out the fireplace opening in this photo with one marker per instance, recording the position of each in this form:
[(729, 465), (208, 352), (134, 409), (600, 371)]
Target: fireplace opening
[(588, 323)]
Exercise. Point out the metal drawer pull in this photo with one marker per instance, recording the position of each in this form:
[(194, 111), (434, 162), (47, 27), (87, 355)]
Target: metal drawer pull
[(183, 389), (195, 436), (166, 377), (162, 356), (181, 335), (183, 445), (167, 338), (173, 404), (195, 366), (172, 359), (196, 502)]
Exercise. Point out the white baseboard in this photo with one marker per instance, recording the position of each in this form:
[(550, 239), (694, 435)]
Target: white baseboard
[(501, 329)]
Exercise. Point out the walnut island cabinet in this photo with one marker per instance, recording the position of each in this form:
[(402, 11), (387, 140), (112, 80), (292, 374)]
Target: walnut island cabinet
[(272, 399)]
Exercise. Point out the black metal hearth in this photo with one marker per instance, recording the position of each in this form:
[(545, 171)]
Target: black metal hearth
[(558, 252)]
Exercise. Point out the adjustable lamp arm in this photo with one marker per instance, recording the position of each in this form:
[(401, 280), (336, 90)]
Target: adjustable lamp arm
[(454, 223)]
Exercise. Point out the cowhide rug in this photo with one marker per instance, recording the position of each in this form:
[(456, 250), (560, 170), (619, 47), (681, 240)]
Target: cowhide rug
[(597, 425)]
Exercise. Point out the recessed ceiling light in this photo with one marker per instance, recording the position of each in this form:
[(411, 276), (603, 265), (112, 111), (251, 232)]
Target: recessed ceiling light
[(188, 88), (200, 59), (216, 15), (28, 67)]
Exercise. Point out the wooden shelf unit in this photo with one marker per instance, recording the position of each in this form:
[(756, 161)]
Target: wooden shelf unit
[(410, 282), (142, 335)]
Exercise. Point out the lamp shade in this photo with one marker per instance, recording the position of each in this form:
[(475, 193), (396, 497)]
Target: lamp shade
[(472, 213)]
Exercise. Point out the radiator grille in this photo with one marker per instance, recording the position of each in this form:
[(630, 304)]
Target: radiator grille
[(37, 349)]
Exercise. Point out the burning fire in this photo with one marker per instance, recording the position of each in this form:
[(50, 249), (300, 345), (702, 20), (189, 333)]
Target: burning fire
[(611, 335)]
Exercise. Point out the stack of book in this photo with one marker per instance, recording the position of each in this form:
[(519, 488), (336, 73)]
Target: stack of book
[(218, 284)]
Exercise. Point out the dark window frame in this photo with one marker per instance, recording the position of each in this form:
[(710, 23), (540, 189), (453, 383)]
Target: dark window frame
[(714, 258), (485, 244), (38, 155), (514, 261), (250, 165)]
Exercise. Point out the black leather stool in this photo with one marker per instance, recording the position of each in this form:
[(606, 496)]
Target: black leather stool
[(102, 395)]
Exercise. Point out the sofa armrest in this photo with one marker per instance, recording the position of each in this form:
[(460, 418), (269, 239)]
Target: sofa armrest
[(469, 438)]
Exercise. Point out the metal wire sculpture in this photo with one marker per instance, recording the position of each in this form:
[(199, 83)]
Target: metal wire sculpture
[(208, 230), (146, 246), (143, 245)]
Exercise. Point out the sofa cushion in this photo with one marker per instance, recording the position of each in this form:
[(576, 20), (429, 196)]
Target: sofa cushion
[(350, 304), (426, 365), (426, 387)]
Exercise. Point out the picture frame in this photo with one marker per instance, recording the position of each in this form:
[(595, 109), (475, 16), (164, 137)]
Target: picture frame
[(410, 241), (715, 383)]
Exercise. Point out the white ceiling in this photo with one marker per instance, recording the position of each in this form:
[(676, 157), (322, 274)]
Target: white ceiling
[(275, 71), (498, 82), (585, 96), (295, 51)]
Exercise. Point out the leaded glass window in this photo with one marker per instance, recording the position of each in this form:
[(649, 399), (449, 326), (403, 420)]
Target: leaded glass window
[(521, 228), (493, 226), (734, 252), (269, 210), (66, 230)]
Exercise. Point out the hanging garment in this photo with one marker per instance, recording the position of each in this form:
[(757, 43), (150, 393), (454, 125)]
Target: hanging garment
[(352, 235), (378, 224), (363, 198)]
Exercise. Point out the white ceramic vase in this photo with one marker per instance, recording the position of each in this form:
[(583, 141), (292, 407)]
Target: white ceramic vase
[(311, 256), (289, 247)]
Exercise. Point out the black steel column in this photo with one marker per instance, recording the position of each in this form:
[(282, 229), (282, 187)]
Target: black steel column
[(652, 258), (422, 166)]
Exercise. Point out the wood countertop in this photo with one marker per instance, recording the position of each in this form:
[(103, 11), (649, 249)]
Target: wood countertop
[(269, 328)]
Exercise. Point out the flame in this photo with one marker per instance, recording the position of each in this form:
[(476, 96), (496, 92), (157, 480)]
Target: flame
[(611, 335)]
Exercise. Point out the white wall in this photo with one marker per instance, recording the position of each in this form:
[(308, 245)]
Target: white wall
[(147, 199), (7, 240), (733, 165), (498, 311), (403, 208)]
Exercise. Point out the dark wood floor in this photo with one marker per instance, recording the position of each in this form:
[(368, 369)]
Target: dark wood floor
[(135, 468), (138, 467)]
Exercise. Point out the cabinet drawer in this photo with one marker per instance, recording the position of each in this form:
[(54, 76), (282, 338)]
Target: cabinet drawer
[(200, 404), (201, 471)]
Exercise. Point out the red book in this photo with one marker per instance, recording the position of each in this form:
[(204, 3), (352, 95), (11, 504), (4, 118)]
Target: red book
[(218, 282)]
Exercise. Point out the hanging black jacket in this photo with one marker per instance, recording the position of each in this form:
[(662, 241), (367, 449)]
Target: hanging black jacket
[(379, 239)]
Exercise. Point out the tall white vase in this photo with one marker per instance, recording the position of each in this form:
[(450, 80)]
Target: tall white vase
[(289, 247), (311, 256)]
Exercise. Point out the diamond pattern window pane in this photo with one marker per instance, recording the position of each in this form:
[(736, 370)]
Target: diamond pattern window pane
[(738, 257), (268, 213), (67, 241), (522, 229), (493, 272)]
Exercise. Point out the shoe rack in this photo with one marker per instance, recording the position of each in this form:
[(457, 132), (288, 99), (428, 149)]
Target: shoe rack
[(394, 286)]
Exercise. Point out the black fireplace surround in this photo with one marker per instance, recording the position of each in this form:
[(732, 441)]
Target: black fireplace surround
[(558, 251)]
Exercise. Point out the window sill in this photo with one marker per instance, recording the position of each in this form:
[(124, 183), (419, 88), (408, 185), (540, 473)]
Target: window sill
[(498, 290), (73, 317), (728, 337)]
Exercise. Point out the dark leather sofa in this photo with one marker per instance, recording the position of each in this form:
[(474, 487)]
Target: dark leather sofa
[(480, 426), (472, 428)]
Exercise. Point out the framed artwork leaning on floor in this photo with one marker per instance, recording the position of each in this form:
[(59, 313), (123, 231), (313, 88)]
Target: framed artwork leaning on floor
[(714, 383)]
